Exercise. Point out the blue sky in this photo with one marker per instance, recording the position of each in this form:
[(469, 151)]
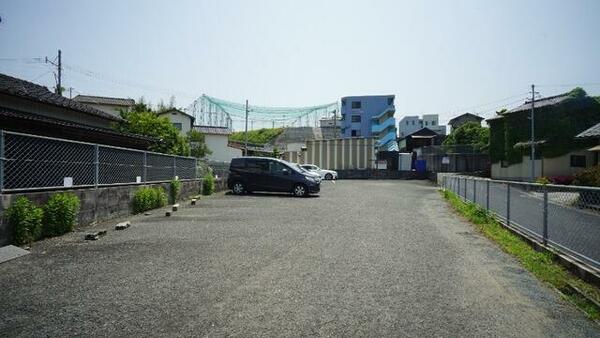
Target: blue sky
[(435, 56)]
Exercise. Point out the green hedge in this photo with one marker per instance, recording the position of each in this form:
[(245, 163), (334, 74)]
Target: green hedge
[(175, 190), (208, 184), (25, 219), (588, 177), (148, 198), (557, 124), (259, 136), (60, 214)]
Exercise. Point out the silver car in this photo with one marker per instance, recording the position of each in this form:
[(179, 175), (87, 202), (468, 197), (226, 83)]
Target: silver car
[(324, 173)]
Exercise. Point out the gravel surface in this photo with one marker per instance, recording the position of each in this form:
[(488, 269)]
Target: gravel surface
[(366, 258)]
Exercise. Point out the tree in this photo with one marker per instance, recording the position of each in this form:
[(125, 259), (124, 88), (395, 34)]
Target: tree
[(470, 133), (198, 146), (148, 123)]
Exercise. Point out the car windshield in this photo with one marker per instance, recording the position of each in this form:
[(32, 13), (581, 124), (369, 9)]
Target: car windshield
[(292, 166)]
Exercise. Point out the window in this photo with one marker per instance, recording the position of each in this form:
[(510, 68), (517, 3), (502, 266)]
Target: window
[(355, 133), (578, 161), (343, 117), (177, 125), (356, 105), (343, 103), (390, 101), (413, 121), (277, 167), (433, 123), (355, 118), (426, 122), (407, 123)]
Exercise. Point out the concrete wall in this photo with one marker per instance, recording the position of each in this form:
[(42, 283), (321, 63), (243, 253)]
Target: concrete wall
[(558, 166), (220, 150), (348, 153), (97, 204)]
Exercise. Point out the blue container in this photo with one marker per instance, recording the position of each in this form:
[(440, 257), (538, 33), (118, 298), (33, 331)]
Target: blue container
[(420, 166)]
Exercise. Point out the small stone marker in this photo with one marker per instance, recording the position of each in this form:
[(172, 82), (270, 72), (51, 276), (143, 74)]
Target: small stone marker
[(122, 225), (175, 207), (147, 213), (168, 213), (93, 236), (193, 201)]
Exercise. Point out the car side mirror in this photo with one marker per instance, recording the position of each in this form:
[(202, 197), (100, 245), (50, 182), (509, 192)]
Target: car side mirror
[(286, 172)]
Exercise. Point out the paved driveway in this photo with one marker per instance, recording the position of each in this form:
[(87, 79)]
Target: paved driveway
[(366, 258)]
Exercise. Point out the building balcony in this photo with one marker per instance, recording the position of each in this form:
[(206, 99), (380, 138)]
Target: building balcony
[(377, 128), (391, 136)]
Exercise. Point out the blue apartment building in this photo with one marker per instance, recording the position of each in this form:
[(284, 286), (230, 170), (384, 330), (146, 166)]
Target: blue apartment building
[(370, 116)]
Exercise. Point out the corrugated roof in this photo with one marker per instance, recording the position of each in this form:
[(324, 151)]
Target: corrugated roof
[(114, 101), (31, 91), (213, 130), (594, 131)]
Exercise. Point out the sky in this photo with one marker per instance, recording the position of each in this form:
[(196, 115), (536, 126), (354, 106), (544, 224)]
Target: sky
[(437, 57)]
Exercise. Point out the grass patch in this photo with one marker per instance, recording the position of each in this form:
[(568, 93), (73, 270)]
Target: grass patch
[(543, 265), (258, 136)]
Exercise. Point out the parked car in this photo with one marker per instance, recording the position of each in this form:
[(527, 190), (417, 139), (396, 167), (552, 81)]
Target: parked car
[(248, 174), (308, 172), (324, 173)]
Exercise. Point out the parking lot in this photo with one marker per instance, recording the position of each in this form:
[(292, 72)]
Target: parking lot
[(373, 257)]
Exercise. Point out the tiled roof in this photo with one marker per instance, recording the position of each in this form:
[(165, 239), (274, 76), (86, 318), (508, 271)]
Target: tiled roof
[(465, 115), (16, 114), (213, 130), (31, 91), (594, 131), (547, 101), (114, 101)]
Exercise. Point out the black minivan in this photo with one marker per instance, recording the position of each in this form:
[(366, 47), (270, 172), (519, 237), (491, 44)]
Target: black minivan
[(248, 174)]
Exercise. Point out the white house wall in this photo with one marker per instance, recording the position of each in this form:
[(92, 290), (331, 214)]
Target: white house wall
[(220, 151), (558, 166)]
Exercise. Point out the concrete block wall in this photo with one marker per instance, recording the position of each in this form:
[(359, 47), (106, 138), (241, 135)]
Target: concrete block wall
[(96, 204)]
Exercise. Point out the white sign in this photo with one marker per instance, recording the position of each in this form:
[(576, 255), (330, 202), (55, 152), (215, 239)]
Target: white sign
[(176, 178), (445, 160), (138, 179), (67, 182), (382, 164)]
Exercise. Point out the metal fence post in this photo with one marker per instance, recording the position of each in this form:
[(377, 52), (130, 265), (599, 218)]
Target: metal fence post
[(145, 169), (475, 191), (458, 186), (1, 160), (508, 204), (487, 195), (96, 165), (465, 188), (545, 229), (174, 167), (195, 168)]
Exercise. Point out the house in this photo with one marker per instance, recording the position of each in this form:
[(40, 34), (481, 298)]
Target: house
[(420, 138), (558, 151), (216, 139), (370, 116), (411, 124), (30, 108), (458, 121), (110, 105), (182, 121), (592, 133)]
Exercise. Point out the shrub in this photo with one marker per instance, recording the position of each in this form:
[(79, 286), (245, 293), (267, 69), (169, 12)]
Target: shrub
[(588, 177), (25, 220), (563, 179), (148, 198), (208, 184), (60, 214), (542, 180), (175, 190)]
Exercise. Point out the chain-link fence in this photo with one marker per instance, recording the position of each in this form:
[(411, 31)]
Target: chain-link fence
[(566, 218), (29, 162)]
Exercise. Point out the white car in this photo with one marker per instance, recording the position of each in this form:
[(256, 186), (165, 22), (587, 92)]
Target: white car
[(308, 172), (324, 173)]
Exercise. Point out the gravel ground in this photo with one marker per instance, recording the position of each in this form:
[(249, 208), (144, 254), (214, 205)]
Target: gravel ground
[(366, 258)]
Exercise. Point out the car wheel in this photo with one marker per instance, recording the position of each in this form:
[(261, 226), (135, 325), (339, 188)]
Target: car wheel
[(328, 177), (300, 190), (238, 188)]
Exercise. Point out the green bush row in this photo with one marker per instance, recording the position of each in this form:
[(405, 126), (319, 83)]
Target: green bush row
[(175, 190), (148, 198), (208, 184), (30, 223)]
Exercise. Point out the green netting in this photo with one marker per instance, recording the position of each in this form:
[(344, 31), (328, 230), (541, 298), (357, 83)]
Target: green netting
[(268, 113)]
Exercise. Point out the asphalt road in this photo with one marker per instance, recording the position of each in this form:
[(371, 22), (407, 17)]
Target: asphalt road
[(366, 258)]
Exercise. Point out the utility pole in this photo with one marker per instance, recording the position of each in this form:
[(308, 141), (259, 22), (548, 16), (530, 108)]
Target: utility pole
[(532, 156), (58, 89), (246, 132)]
